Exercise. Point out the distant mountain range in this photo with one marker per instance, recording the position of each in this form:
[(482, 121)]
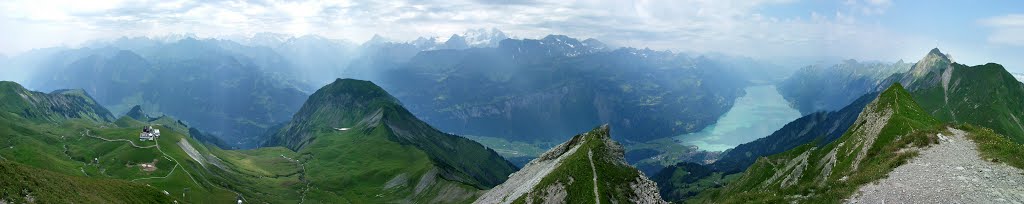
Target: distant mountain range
[(817, 88), (544, 89), (354, 141), (238, 89), (230, 94)]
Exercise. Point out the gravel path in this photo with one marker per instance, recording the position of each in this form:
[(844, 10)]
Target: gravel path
[(950, 172), (590, 155)]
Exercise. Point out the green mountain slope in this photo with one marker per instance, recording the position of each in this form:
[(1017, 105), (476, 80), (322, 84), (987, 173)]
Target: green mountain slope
[(25, 184), (589, 168), (985, 95), (684, 180), (71, 145), (876, 143), (56, 106), (385, 152)]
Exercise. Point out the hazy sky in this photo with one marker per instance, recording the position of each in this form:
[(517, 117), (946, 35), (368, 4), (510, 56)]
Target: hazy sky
[(972, 31)]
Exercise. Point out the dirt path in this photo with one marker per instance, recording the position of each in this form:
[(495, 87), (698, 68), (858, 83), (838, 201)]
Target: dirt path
[(116, 140), (590, 154), (302, 177), (950, 172)]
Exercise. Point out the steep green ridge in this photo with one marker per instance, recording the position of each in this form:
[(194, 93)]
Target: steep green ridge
[(342, 104), (877, 143), (588, 168), (985, 95), (821, 128), (684, 180), (383, 150), (24, 184), (56, 106)]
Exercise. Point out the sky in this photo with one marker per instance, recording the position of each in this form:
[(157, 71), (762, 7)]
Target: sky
[(973, 32)]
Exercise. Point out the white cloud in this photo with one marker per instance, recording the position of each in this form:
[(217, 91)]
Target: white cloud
[(868, 7), (1006, 29), (728, 26)]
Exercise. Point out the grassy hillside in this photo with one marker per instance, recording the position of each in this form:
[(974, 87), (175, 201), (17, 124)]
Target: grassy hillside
[(387, 153), (877, 143), (25, 184), (995, 147), (56, 106)]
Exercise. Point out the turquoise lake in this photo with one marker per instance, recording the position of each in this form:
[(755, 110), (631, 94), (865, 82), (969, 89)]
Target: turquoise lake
[(755, 115)]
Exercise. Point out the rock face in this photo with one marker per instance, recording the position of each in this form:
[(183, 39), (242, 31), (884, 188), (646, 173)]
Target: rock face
[(588, 168), (950, 172)]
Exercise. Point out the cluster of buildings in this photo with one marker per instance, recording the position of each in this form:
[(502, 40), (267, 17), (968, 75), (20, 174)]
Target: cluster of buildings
[(149, 133)]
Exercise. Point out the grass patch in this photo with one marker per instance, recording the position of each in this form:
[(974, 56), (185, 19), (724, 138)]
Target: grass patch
[(995, 147)]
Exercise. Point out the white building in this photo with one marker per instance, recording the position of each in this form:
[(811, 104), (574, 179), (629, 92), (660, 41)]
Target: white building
[(148, 133)]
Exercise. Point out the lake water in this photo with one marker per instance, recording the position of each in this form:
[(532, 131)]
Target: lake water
[(757, 114)]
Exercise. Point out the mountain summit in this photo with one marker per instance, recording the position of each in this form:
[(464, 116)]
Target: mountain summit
[(356, 134), (934, 69), (342, 104), (589, 168)]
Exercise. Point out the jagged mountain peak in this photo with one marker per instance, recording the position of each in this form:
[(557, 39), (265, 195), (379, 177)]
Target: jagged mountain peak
[(376, 40), (483, 37), (936, 52), (934, 60), (456, 42), (137, 113)]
